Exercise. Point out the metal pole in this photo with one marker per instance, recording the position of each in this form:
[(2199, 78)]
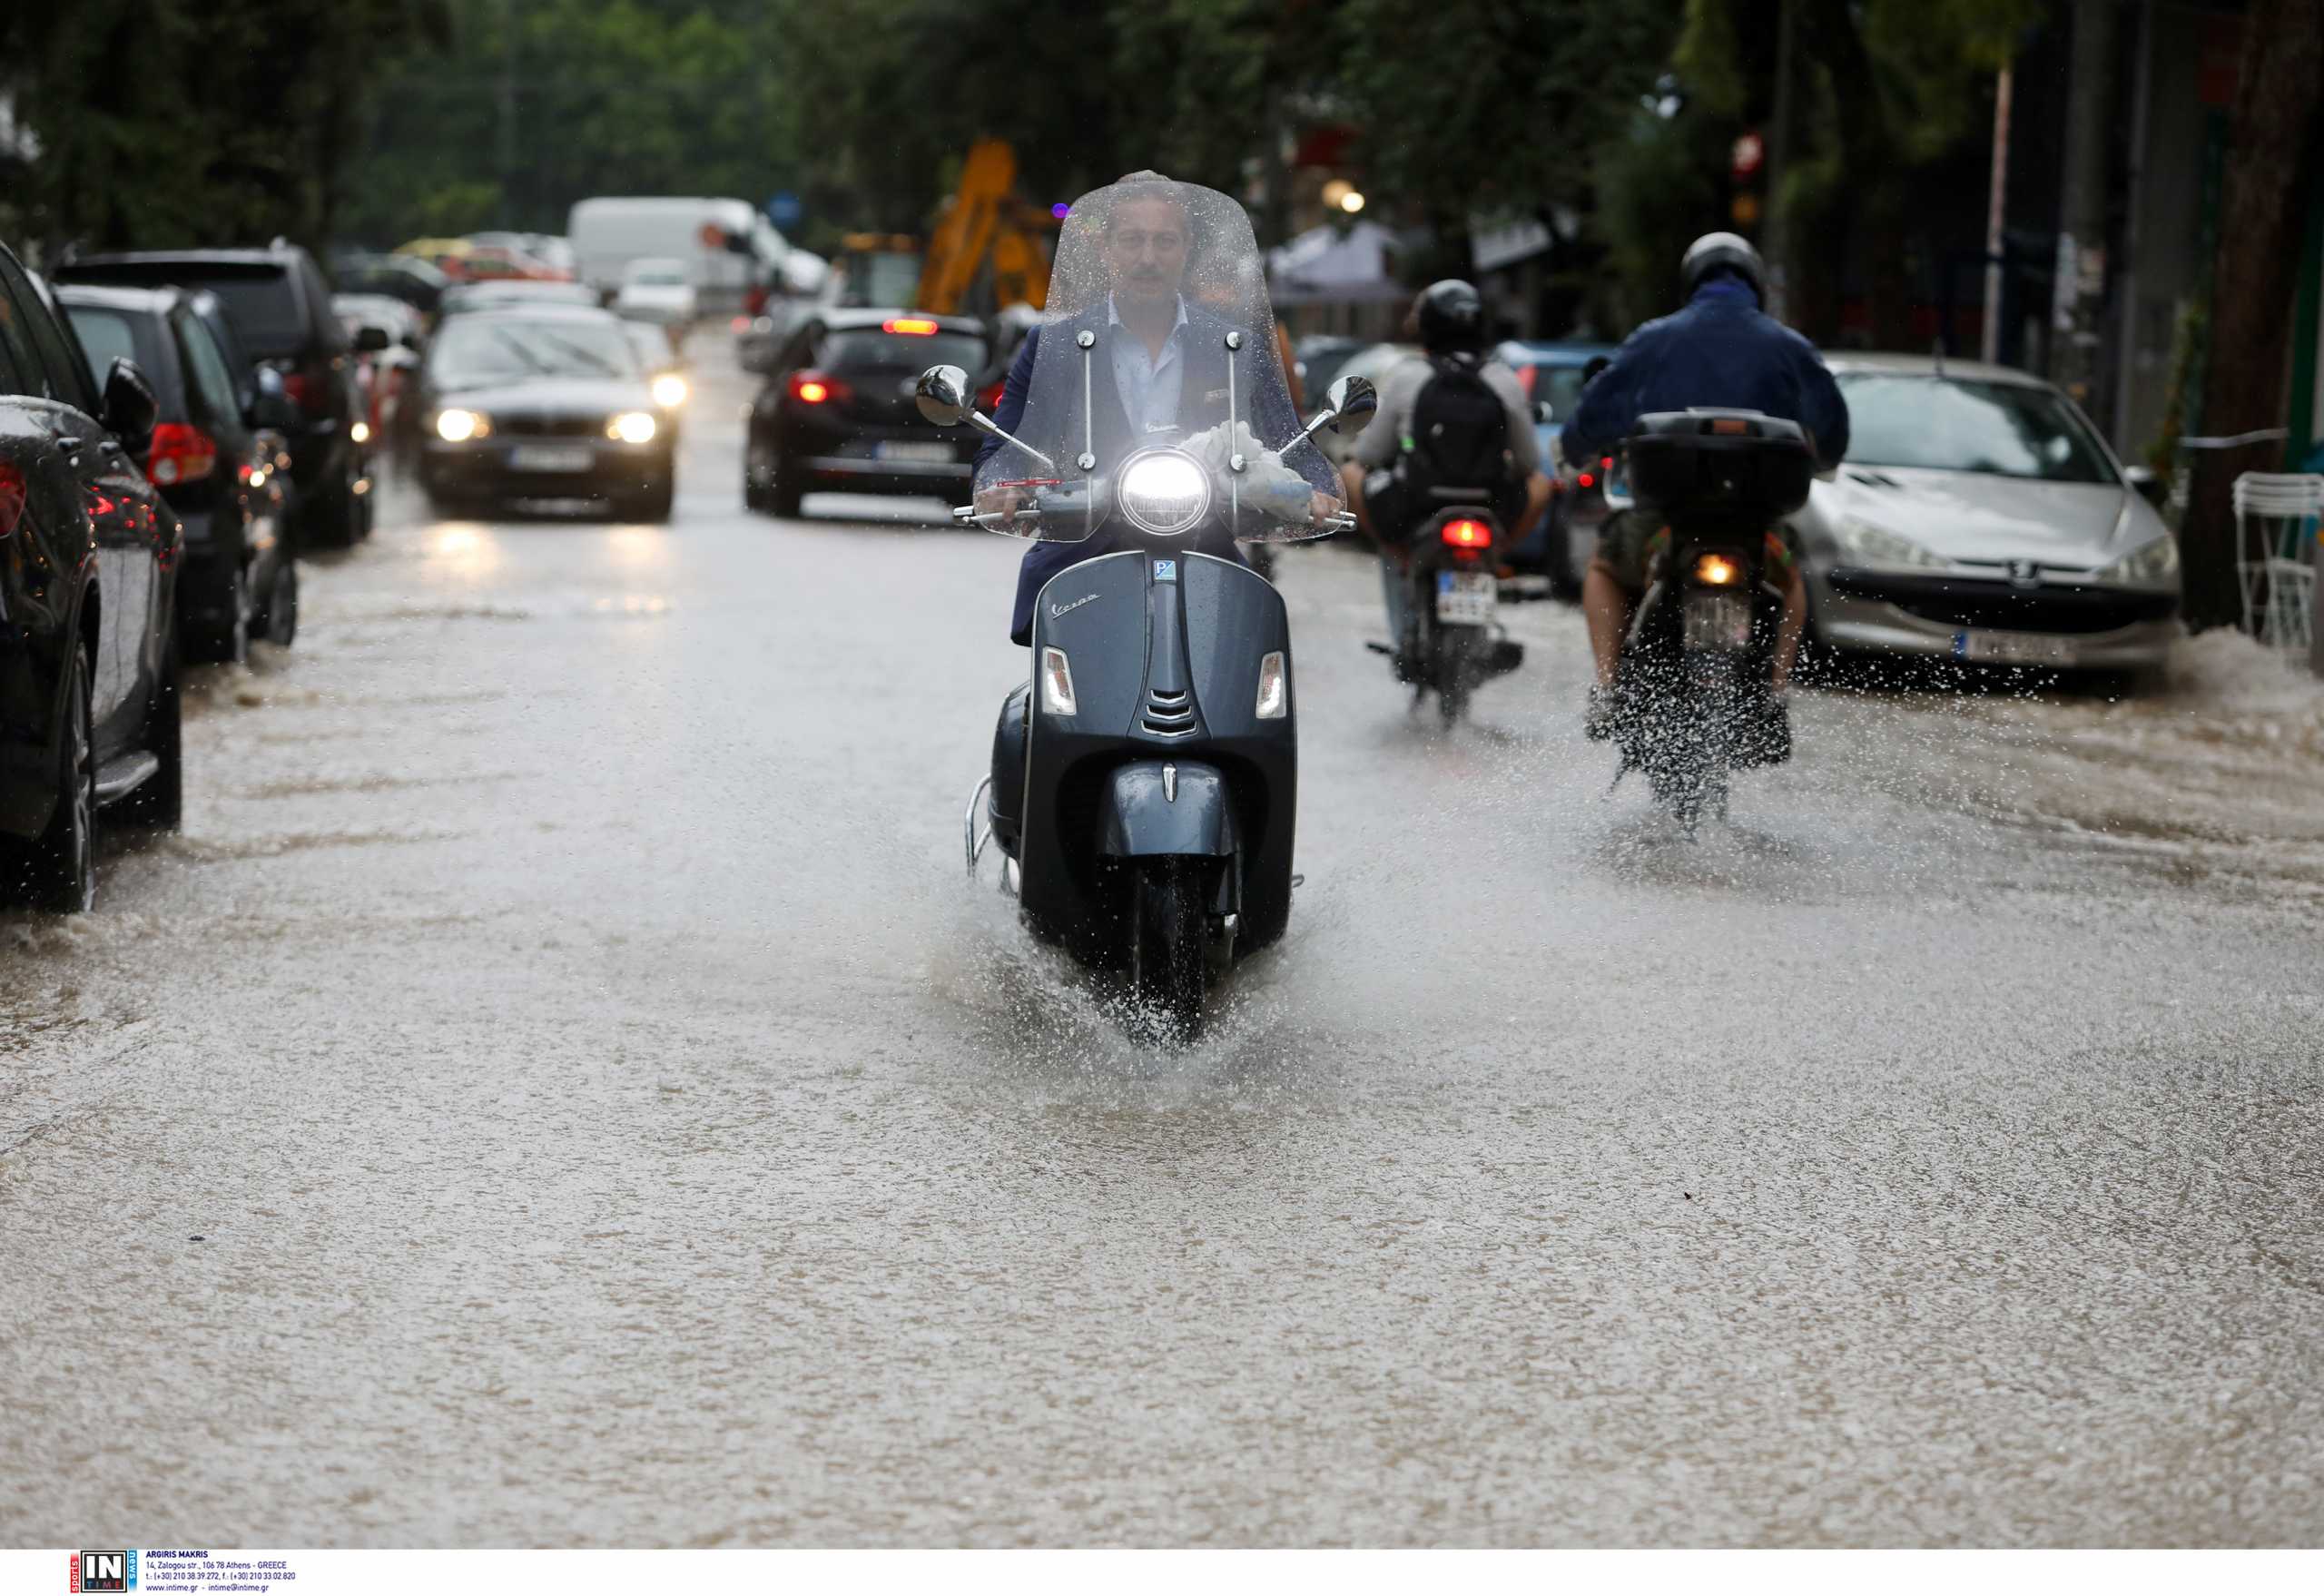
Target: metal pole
[(1989, 347), (1778, 160), (2127, 338)]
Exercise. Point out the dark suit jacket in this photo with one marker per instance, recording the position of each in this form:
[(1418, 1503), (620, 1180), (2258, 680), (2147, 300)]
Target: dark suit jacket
[(1265, 408)]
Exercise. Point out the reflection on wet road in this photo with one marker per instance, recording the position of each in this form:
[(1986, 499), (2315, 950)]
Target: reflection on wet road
[(557, 1090)]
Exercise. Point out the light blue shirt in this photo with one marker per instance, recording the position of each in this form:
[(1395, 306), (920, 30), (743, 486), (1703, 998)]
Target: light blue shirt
[(1149, 385)]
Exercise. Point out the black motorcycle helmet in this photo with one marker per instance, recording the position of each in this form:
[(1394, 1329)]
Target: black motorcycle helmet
[(1449, 317), (1721, 251)]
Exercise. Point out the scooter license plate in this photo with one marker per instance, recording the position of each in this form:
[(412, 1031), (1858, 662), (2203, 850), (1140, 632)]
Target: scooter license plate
[(1718, 620), (1466, 598)]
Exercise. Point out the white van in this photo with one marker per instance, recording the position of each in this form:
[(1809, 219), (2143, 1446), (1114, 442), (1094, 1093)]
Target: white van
[(608, 233)]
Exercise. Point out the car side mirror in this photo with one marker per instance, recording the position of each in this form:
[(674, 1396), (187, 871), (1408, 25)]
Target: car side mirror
[(131, 409), (370, 340), (942, 394), (2144, 482)]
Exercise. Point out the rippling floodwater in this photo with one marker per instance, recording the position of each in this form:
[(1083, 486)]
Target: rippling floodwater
[(559, 1089)]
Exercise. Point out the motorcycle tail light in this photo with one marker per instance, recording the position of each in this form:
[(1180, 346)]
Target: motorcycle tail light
[(1275, 688), (1465, 533), (1588, 480), (1057, 682), (1715, 570)]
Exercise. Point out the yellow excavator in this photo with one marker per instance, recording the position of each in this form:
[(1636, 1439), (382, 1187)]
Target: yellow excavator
[(985, 223)]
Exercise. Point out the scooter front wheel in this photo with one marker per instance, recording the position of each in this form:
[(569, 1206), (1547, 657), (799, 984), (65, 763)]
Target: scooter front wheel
[(1167, 967)]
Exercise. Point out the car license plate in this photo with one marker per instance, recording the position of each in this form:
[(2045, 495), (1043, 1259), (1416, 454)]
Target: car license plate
[(1466, 598), (1988, 647), (939, 454), (538, 457)]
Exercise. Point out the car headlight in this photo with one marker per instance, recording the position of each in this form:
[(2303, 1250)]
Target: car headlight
[(459, 426), (1867, 545), (632, 427), (1165, 493), (2151, 565), (669, 390)]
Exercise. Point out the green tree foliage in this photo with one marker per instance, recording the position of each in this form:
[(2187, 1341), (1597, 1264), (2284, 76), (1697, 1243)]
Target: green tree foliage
[(162, 121)]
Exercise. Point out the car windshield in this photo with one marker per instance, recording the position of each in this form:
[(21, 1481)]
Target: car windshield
[(873, 350), (1561, 385), (473, 350), (1960, 424), (652, 344), (658, 276)]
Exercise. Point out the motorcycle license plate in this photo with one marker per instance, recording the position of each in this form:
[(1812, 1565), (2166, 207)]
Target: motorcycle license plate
[(1988, 647), (930, 454), (527, 458), (1466, 598), (1718, 620)]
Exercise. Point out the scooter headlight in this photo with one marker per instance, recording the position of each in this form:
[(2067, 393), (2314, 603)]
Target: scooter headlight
[(1165, 493)]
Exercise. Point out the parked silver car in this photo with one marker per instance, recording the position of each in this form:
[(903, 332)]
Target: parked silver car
[(1978, 516)]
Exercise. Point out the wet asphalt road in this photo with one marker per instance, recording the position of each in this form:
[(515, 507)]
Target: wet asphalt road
[(559, 1091)]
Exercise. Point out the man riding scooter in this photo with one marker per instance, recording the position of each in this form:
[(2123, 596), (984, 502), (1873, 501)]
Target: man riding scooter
[(1720, 351), (1404, 447)]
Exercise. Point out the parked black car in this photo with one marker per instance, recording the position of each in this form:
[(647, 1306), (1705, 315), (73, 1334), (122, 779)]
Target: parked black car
[(536, 404), (239, 578), (837, 412), (89, 552), (281, 307), (408, 278)]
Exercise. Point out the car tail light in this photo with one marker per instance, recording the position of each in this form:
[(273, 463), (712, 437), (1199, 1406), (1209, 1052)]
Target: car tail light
[(911, 326), (1587, 480), (179, 454), (1057, 682), (1606, 464), (815, 387), (305, 391), (1467, 534), (1525, 375), (990, 400)]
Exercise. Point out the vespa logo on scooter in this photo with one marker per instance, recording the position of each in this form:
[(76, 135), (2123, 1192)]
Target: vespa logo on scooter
[(1066, 610)]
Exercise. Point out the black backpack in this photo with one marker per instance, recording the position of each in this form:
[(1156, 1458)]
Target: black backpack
[(1455, 451), (1459, 430)]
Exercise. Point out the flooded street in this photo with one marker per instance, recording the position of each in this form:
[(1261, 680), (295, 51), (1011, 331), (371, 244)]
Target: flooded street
[(560, 1090)]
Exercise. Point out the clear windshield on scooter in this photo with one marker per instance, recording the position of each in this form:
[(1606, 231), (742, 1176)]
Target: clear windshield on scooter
[(1157, 334)]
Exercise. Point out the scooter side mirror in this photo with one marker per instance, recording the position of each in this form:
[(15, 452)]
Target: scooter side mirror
[(1352, 401), (942, 394)]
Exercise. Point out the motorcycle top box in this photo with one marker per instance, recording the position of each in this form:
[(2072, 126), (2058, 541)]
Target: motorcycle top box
[(1720, 470)]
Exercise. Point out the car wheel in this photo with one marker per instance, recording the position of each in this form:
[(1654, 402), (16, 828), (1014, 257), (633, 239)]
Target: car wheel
[(652, 504), (160, 803), (57, 871), (227, 642), (337, 513), (277, 617), (758, 466), (783, 497)]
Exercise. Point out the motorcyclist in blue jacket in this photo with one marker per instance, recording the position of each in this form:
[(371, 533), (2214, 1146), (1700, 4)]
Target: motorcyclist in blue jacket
[(1720, 351)]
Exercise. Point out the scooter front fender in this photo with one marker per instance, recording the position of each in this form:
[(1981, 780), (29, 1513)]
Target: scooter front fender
[(1156, 808)]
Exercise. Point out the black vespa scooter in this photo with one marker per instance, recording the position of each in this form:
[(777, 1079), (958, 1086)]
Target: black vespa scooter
[(1144, 783)]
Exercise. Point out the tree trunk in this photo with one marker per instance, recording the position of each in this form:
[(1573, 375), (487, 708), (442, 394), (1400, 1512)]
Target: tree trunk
[(2274, 140)]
